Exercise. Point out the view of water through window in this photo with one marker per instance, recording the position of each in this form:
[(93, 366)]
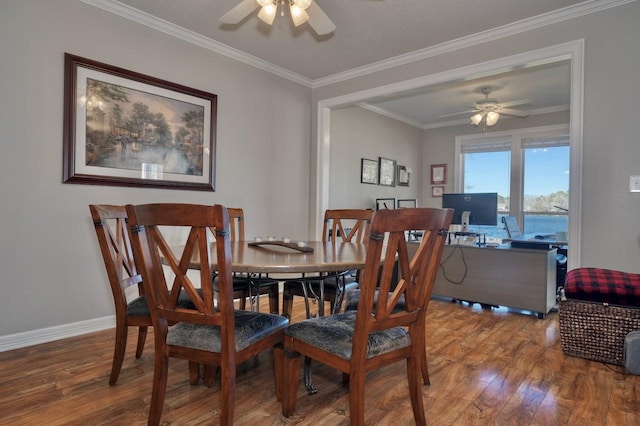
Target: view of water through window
[(544, 183)]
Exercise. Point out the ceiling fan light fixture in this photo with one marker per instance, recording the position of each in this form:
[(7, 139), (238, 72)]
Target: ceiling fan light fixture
[(302, 4), (301, 11), (476, 119), (492, 118), (298, 15), (268, 13)]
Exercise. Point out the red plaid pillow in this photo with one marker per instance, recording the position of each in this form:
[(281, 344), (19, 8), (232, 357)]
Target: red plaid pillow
[(603, 285)]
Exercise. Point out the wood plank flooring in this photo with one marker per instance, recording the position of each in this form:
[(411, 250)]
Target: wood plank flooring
[(487, 367)]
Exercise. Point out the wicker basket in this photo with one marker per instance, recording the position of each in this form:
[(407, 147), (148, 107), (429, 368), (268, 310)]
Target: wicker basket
[(596, 331)]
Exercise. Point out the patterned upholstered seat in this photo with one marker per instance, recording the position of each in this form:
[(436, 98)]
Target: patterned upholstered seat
[(249, 328), (334, 334)]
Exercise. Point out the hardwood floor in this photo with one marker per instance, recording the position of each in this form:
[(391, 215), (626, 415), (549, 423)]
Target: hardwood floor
[(487, 367)]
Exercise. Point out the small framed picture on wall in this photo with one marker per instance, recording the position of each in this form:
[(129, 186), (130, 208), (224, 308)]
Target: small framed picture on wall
[(438, 174), (403, 176), (387, 176), (369, 171), (437, 191)]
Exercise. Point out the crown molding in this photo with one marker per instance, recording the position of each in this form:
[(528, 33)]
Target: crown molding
[(143, 18), (386, 113), (560, 15), (449, 123), (148, 20)]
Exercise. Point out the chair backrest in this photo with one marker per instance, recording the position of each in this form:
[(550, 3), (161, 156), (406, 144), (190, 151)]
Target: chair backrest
[(352, 225), (236, 222), (164, 265), (511, 226), (115, 245), (417, 275)]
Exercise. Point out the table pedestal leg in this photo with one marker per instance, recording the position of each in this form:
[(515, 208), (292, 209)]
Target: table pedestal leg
[(308, 384), (307, 377)]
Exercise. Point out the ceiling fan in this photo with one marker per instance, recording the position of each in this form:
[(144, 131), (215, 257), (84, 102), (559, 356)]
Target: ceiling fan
[(488, 110), (301, 11)]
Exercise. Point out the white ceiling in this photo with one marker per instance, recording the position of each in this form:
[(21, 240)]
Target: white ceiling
[(371, 33)]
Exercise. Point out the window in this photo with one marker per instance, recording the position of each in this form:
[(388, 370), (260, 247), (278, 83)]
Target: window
[(529, 169), (545, 205)]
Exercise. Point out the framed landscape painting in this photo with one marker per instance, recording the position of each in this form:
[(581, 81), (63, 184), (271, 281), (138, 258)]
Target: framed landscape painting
[(129, 129)]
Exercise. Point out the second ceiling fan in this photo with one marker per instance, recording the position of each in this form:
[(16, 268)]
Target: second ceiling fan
[(488, 110), (301, 11)]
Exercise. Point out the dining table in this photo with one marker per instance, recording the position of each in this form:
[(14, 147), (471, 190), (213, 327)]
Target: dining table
[(301, 261)]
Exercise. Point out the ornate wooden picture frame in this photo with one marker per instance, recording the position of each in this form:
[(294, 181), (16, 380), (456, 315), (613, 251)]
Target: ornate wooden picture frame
[(128, 129)]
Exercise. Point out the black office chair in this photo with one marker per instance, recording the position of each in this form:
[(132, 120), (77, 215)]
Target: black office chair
[(513, 230)]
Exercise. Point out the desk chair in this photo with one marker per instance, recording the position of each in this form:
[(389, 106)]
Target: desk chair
[(513, 231), (351, 225), (376, 334), (210, 333), (250, 286), (115, 245)]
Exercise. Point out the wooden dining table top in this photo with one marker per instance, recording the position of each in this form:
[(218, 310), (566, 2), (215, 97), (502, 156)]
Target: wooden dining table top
[(326, 257)]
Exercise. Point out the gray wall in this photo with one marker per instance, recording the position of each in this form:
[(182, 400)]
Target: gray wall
[(50, 267), (357, 133), (611, 131)]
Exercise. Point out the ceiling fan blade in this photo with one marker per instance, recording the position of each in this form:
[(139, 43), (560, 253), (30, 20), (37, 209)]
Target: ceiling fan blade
[(319, 20), (239, 12), (514, 112), (458, 113), (514, 103)]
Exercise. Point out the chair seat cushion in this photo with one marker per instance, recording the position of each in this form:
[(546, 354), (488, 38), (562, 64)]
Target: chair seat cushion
[(353, 298), (334, 334), (604, 286), (330, 284), (250, 327), (138, 307), (241, 283)]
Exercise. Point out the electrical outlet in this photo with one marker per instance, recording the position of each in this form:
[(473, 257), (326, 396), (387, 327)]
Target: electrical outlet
[(634, 183)]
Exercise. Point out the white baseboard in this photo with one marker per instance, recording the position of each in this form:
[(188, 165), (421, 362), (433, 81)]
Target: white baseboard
[(49, 334)]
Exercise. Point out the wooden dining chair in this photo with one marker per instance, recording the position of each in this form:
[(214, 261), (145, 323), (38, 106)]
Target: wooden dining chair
[(376, 334), (212, 333), (250, 286), (115, 245), (113, 237), (346, 225)]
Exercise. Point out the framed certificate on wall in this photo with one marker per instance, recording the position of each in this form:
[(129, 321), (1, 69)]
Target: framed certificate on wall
[(438, 174)]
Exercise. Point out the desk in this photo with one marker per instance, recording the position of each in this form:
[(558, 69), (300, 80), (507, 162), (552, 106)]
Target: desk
[(507, 276), (530, 241)]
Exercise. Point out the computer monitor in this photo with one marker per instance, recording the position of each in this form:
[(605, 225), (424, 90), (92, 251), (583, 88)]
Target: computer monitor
[(472, 209)]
